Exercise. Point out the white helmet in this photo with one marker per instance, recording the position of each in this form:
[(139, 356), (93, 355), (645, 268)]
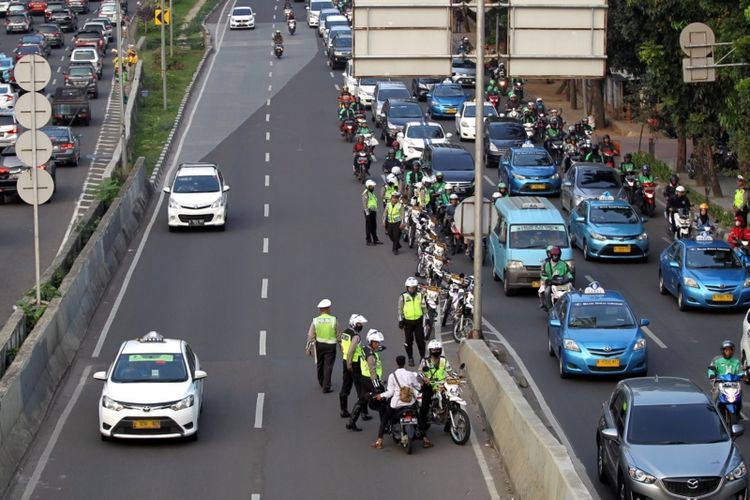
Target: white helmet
[(324, 304), (356, 319), (680, 189), (418, 185), (374, 336), (496, 195), (411, 281), (391, 179), (435, 345), (370, 182), (454, 196), (428, 179), (396, 171)]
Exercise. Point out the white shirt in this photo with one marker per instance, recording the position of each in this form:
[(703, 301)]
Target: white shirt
[(405, 379)]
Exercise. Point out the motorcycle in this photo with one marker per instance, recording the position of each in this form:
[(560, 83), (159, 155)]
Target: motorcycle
[(278, 50), (287, 12), (648, 201), (447, 408), (559, 286), (291, 26), (630, 186), (530, 129), (432, 300), (556, 150), (541, 127), (462, 308), (513, 113), (405, 431), (361, 166), (682, 225), (518, 90), (350, 130), (728, 397)]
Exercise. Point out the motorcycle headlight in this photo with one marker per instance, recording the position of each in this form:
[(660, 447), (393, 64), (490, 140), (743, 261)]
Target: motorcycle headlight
[(173, 203), (218, 203), (571, 345), (641, 476), (688, 281), (737, 473), (639, 344), (183, 403), (515, 265), (493, 148), (746, 284), (519, 177), (643, 236), (597, 236), (111, 404)]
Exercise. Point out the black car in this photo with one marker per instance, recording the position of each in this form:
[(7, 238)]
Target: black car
[(36, 39), (65, 18), (396, 112), (454, 162), (11, 168), (500, 134), (52, 7), (421, 86), (52, 33), (82, 75), (341, 51), (66, 146)]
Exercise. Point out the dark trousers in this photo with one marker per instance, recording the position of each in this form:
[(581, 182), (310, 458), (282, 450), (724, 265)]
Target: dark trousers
[(394, 233), (326, 355), (371, 226), (351, 379), (386, 417), (365, 399), (414, 330), (424, 410)]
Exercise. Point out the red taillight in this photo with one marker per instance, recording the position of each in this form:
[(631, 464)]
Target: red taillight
[(66, 78), (8, 98), (42, 167), (4, 170), (14, 130), (66, 146)]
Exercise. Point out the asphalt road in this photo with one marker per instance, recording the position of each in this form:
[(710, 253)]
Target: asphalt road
[(295, 236), (16, 222)]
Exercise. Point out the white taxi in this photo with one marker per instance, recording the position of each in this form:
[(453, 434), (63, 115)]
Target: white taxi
[(153, 389), (466, 121), (197, 197)]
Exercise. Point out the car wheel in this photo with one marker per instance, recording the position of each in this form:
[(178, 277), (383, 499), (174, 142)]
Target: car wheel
[(662, 289), (681, 305), (561, 366), (600, 472), (506, 288), (586, 255)]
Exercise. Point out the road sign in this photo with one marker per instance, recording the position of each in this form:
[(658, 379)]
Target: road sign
[(33, 101), (44, 182), (24, 149), (162, 18), (23, 69), (697, 41)]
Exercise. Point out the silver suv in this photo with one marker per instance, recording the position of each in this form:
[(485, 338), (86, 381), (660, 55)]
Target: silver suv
[(662, 438)]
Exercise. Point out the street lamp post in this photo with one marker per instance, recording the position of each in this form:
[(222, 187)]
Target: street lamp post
[(476, 333), (120, 57)]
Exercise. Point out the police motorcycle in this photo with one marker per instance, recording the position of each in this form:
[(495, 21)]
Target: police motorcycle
[(433, 301), (462, 309), (447, 408)]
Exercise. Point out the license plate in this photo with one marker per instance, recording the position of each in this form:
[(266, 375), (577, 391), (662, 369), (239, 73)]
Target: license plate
[(622, 249), (451, 111), (406, 419), (195, 222), (146, 424), (723, 297), (534, 284), (538, 187), (608, 363)]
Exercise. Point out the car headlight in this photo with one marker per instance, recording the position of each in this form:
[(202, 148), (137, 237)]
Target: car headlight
[(737, 473), (746, 284), (571, 345), (173, 203), (688, 281), (111, 404), (639, 344), (641, 476), (218, 203), (493, 148), (597, 236), (515, 265), (465, 123), (183, 403), (643, 236), (519, 177), (555, 176)]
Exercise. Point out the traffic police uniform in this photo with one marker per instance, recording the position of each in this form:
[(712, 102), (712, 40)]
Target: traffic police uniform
[(411, 310), (353, 377), (393, 218), (324, 332), (370, 383)]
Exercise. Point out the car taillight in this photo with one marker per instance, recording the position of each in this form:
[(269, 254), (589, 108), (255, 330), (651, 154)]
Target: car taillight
[(66, 77), (66, 146), (8, 98), (4, 170), (42, 167), (14, 130)]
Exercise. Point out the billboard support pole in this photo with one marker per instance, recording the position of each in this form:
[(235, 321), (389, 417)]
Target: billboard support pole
[(476, 332)]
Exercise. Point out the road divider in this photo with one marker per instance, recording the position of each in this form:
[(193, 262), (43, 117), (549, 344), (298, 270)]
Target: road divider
[(538, 465)]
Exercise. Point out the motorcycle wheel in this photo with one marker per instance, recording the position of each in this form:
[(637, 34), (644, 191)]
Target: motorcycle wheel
[(461, 328), (651, 209), (460, 429), (410, 435), (412, 234)]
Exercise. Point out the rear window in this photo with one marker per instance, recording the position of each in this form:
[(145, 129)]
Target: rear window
[(471, 111), (84, 55), (675, 424), (6, 120), (397, 93), (506, 132), (56, 133), (320, 5), (340, 22), (48, 29), (5, 89), (80, 71), (452, 161)]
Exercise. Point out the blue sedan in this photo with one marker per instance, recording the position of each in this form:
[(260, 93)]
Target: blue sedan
[(529, 170), (445, 100), (608, 229), (594, 332), (6, 67), (703, 273)]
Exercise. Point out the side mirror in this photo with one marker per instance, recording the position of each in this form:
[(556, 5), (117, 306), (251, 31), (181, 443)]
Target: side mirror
[(555, 323), (645, 322), (167, 189), (567, 184), (610, 433), (448, 135), (737, 430), (100, 376), (199, 375), (673, 264), (226, 188)]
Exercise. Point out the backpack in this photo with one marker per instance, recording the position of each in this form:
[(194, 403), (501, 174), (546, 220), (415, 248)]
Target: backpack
[(404, 394)]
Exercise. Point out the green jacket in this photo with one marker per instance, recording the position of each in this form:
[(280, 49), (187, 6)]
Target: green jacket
[(645, 178), (559, 268), (552, 133), (346, 114), (724, 366), (596, 158), (627, 167), (438, 192), (492, 89), (411, 178)]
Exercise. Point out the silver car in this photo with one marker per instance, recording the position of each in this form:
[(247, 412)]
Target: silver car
[(661, 438), (585, 181)]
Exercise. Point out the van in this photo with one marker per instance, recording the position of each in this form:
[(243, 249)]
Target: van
[(313, 11), (526, 225)]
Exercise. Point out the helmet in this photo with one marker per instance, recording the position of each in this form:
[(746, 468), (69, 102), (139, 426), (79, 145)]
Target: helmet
[(278, 32), (646, 169), (674, 179), (555, 251), (502, 185), (370, 182), (391, 179), (727, 343), (439, 175), (374, 336), (356, 319), (395, 145), (493, 82), (512, 95), (396, 195), (539, 99), (703, 206), (454, 196), (427, 179), (435, 347), (680, 189), (411, 281), (496, 195), (396, 171), (627, 157), (324, 304), (606, 137), (418, 185), (530, 104), (549, 249)]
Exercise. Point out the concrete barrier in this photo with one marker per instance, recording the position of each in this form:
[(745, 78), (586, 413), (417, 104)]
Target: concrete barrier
[(28, 385), (538, 465)]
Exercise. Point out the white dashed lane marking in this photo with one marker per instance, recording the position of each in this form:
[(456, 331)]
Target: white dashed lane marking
[(264, 288), (262, 343)]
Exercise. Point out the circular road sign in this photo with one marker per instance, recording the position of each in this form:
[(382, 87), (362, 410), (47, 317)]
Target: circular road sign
[(36, 102), (697, 34), (45, 186), (24, 149), (36, 65)]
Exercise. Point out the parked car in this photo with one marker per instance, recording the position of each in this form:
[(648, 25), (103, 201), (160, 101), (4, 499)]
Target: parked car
[(66, 145), (52, 33)]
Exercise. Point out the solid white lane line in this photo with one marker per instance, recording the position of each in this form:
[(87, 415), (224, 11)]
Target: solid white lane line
[(268, 117), (42, 463), (268, 136), (653, 337), (489, 481), (259, 410), (255, 496), (156, 213), (265, 245), (268, 157), (262, 343), (264, 288), (490, 181), (270, 87), (268, 180), (265, 210), (589, 278)]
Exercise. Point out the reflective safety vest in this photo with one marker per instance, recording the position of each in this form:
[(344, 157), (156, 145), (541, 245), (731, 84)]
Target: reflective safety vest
[(325, 329), (393, 212), (436, 374), (364, 367), (739, 197), (346, 342), (412, 306), (389, 190), (372, 200)]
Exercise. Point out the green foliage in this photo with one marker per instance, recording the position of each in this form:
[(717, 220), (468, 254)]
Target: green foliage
[(31, 312), (108, 190)]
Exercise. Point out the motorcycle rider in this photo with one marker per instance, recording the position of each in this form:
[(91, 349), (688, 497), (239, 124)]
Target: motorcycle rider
[(539, 106), (396, 148), (393, 220), (371, 373), (513, 102), (741, 198), (278, 38), (738, 233), (594, 155), (391, 161), (358, 147), (390, 187), (357, 106), (411, 311), (492, 89), (627, 166), (397, 381), (413, 176), (670, 190), (351, 351), (435, 370), (702, 219), (502, 188), (606, 146), (450, 214), (555, 266), (424, 196), (726, 364), (551, 134), (678, 202), (345, 113)]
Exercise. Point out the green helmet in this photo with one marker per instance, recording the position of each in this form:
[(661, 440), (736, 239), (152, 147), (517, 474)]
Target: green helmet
[(502, 185), (439, 175), (492, 82)]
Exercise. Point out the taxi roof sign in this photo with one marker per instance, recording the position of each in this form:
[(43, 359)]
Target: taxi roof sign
[(704, 236), (532, 204), (152, 336), (606, 196), (528, 144), (594, 288)]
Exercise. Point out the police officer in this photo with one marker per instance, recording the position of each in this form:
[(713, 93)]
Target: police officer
[(740, 198), (393, 220), (411, 310), (371, 374), (351, 352), (324, 335), (370, 206), (434, 368)]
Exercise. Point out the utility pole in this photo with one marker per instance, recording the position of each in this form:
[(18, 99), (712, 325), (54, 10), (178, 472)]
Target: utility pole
[(163, 62), (120, 57), (476, 333), (171, 45)]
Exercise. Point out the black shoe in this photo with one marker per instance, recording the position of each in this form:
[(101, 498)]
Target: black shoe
[(353, 427), (411, 361), (378, 243), (345, 414), (395, 252), (368, 244), (327, 390), (366, 417)]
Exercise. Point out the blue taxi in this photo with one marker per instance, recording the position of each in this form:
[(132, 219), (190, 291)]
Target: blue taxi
[(529, 170), (594, 332), (445, 100), (606, 228), (705, 273)]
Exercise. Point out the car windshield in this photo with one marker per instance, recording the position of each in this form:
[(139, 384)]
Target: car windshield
[(342, 42), (6, 62), (56, 133), (711, 258), (506, 132), (150, 368), (448, 91), (242, 11), (613, 215), (405, 111), (27, 49), (675, 424), (535, 159), (196, 184), (320, 5), (425, 132), (399, 93), (598, 179), (369, 81), (6, 120), (600, 314), (471, 111), (452, 161), (527, 236), (340, 22), (463, 63)]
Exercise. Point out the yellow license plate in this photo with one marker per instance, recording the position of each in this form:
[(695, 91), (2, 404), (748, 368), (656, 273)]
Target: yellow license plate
[(538, 187), (608, 363), (451, 111), (534, 284), (622, 249), (723, 297), (146, 424)]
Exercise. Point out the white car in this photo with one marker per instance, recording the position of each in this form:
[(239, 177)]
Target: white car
[(197, 197), (111, 11), (88, 55), (744, 353), (416, 134), (8, 129), (364, 88), (8, 98), (466, 123), (242, 17), (153, 389)]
